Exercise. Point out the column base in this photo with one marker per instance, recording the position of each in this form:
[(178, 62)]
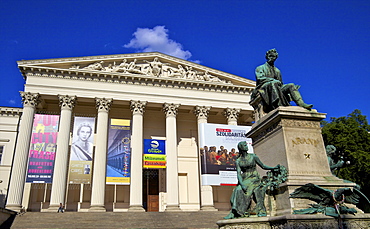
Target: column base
[(207, 198), (208, 208), (173, 208), (97, 209), (52, 208), (137, 208), (14, 207)]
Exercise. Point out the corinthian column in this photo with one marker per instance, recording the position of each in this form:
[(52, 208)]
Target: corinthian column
[(206, 192), (58, 188), (100, 157), (232, 115), (18, 175), (136, 180), (172, 181)]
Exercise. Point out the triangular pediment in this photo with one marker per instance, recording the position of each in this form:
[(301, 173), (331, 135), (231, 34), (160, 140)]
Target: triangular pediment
[(142, 65)]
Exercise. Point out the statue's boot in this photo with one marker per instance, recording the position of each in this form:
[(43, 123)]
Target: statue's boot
[(297, 98), (230, 215)]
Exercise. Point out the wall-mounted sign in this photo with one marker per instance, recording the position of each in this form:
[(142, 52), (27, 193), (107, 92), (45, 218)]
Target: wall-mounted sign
[(119, 152), (42, 149), (218, 152), (154, 153), (82, 149)]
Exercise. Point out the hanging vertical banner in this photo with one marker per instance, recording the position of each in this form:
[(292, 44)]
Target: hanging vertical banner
[(82, 150), (218, 152), (154, 153), (119, 152), (42, 149)]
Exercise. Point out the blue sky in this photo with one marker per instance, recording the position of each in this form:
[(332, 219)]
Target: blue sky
[(323, 45)]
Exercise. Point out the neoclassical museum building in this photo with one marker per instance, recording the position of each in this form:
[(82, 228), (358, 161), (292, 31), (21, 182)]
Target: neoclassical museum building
[(80, 138)]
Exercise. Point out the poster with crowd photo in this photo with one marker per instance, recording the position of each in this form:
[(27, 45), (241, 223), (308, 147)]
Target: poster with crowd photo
[(119, 152), (82, 149), (219, 151), (42, 149)]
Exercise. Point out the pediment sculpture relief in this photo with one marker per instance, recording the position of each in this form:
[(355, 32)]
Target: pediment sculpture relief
[(152, 68)]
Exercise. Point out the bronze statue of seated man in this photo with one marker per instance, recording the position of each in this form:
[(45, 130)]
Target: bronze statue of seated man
[(272, 90)]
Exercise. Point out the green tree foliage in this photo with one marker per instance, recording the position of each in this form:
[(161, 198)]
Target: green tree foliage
[(351, 136)]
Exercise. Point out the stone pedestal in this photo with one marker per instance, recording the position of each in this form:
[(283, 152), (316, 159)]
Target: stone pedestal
[(297, 221), (206, 195), (291, 136)]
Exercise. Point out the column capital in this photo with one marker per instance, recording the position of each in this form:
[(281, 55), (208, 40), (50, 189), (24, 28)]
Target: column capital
[(137, 107), (30, 99), (202, 112), (103, 104), (67, 102), (232, 114), (170, 109)]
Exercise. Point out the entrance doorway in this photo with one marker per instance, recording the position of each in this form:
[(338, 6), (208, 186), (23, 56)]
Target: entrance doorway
[(151, 190)]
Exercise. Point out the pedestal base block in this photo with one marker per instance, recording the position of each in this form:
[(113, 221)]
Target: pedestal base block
[(136, 209), (208, 208), (175, 208), (297, 221), (52, 208), (14, 207), (97, 209)]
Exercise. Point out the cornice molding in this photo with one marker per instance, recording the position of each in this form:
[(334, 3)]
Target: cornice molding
[(10, 111), (147, 81)]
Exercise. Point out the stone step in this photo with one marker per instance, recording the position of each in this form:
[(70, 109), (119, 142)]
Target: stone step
[(200, 219)]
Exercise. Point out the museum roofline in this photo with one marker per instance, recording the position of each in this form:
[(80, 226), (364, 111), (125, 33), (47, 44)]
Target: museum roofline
[(65, 64)]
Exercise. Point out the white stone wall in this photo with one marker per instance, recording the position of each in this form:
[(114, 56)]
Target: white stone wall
[(9, 118)]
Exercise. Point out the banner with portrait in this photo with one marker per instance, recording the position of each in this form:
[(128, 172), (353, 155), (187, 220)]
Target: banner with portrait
[(119, 152), (82, 150), (218, 152), (42, 149)]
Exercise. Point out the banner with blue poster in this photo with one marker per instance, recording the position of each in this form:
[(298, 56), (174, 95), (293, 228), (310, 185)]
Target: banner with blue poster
[(119, 152), (154, 153)]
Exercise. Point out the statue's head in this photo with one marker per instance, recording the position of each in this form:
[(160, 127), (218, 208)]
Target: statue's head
[(271, 55), (330, 149), (242, 146)]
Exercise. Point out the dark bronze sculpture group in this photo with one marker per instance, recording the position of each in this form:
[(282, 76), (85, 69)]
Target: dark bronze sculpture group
[(274, 93)]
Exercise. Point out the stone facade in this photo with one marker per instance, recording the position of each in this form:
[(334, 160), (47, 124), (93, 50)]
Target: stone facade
[(163, 96)]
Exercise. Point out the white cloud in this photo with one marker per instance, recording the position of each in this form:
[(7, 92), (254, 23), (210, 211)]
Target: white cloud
[(12, 101), (156, 39)]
